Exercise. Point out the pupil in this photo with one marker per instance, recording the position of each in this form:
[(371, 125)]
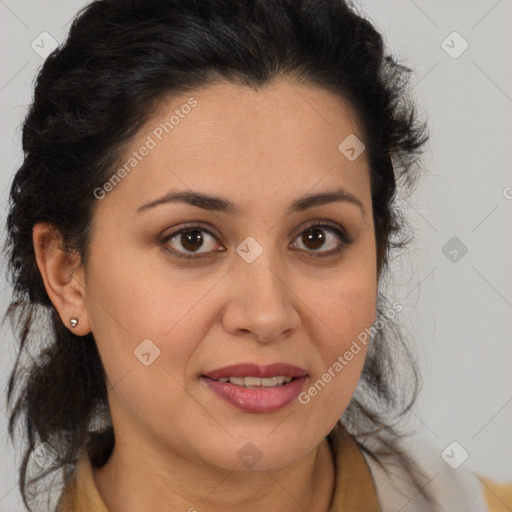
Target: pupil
[(189, 237), (317, 237)]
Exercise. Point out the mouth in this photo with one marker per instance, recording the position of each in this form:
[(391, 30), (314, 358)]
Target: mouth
[(257, 389), (257, 382)]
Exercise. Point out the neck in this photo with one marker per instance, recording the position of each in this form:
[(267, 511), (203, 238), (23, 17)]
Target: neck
[(128, 483)]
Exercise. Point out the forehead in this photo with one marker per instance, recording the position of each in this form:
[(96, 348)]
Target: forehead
[(242, 116), (236, 140)]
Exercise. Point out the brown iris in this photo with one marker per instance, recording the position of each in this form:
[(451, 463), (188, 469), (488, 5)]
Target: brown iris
[(314, 236), (191, 237)]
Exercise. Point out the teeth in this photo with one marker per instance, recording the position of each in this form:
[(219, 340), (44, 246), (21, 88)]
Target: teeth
[(256, 382), (250, 381), (239, 381)]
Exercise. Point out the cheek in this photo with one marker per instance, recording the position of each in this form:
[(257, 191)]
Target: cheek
[(141, 314), (343, 354), (349, 313), (342, 313), (344, 307)]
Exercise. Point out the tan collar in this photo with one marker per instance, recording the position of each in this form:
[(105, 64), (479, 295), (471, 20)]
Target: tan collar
[(355, 488)]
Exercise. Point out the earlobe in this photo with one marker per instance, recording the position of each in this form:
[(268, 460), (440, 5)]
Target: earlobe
[(62, 278)]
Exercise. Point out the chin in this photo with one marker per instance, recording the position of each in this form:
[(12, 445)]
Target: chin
[(259, 453)]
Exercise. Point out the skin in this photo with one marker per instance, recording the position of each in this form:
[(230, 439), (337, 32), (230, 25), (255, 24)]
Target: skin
[(176, 441)]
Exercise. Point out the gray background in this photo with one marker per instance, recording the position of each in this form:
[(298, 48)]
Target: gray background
[(457, 312)]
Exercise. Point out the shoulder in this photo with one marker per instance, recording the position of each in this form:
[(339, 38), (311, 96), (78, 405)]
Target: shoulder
[(453, 489)]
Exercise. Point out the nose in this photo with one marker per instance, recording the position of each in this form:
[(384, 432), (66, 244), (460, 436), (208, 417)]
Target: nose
[(261, 301)]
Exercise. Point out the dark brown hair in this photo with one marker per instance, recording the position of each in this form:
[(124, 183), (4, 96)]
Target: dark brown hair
[(96, 91)]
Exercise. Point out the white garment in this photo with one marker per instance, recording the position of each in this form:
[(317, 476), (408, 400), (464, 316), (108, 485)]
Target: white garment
[(456, 490)]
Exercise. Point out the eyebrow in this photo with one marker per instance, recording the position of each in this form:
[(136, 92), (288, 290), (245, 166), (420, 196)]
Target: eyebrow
[(220, 204)]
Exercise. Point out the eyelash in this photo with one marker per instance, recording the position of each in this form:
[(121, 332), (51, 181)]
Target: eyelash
[(341, 233)]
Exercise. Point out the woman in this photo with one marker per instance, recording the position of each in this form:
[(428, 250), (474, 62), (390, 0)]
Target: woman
[(206, 210)]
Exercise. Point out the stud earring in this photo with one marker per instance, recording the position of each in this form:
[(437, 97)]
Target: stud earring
[(73, 322)]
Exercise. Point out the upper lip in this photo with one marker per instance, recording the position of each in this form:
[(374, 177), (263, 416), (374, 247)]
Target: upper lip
[(254, 370)]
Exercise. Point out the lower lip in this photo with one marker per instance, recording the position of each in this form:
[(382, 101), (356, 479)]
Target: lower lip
[(257, 399)]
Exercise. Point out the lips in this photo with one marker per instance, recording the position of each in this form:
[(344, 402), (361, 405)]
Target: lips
[(257, 389)]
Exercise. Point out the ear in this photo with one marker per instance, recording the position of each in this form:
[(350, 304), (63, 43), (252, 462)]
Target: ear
[(63, 278)]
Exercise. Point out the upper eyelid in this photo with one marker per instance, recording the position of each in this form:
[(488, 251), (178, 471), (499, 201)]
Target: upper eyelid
[(186, 226), (317, 223)]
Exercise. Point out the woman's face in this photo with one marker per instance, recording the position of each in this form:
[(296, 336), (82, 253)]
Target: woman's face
[(262, 286)]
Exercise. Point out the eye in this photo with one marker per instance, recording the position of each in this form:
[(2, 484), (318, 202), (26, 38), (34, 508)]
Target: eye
[(314, 238), (188, 241), (190, 238)]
